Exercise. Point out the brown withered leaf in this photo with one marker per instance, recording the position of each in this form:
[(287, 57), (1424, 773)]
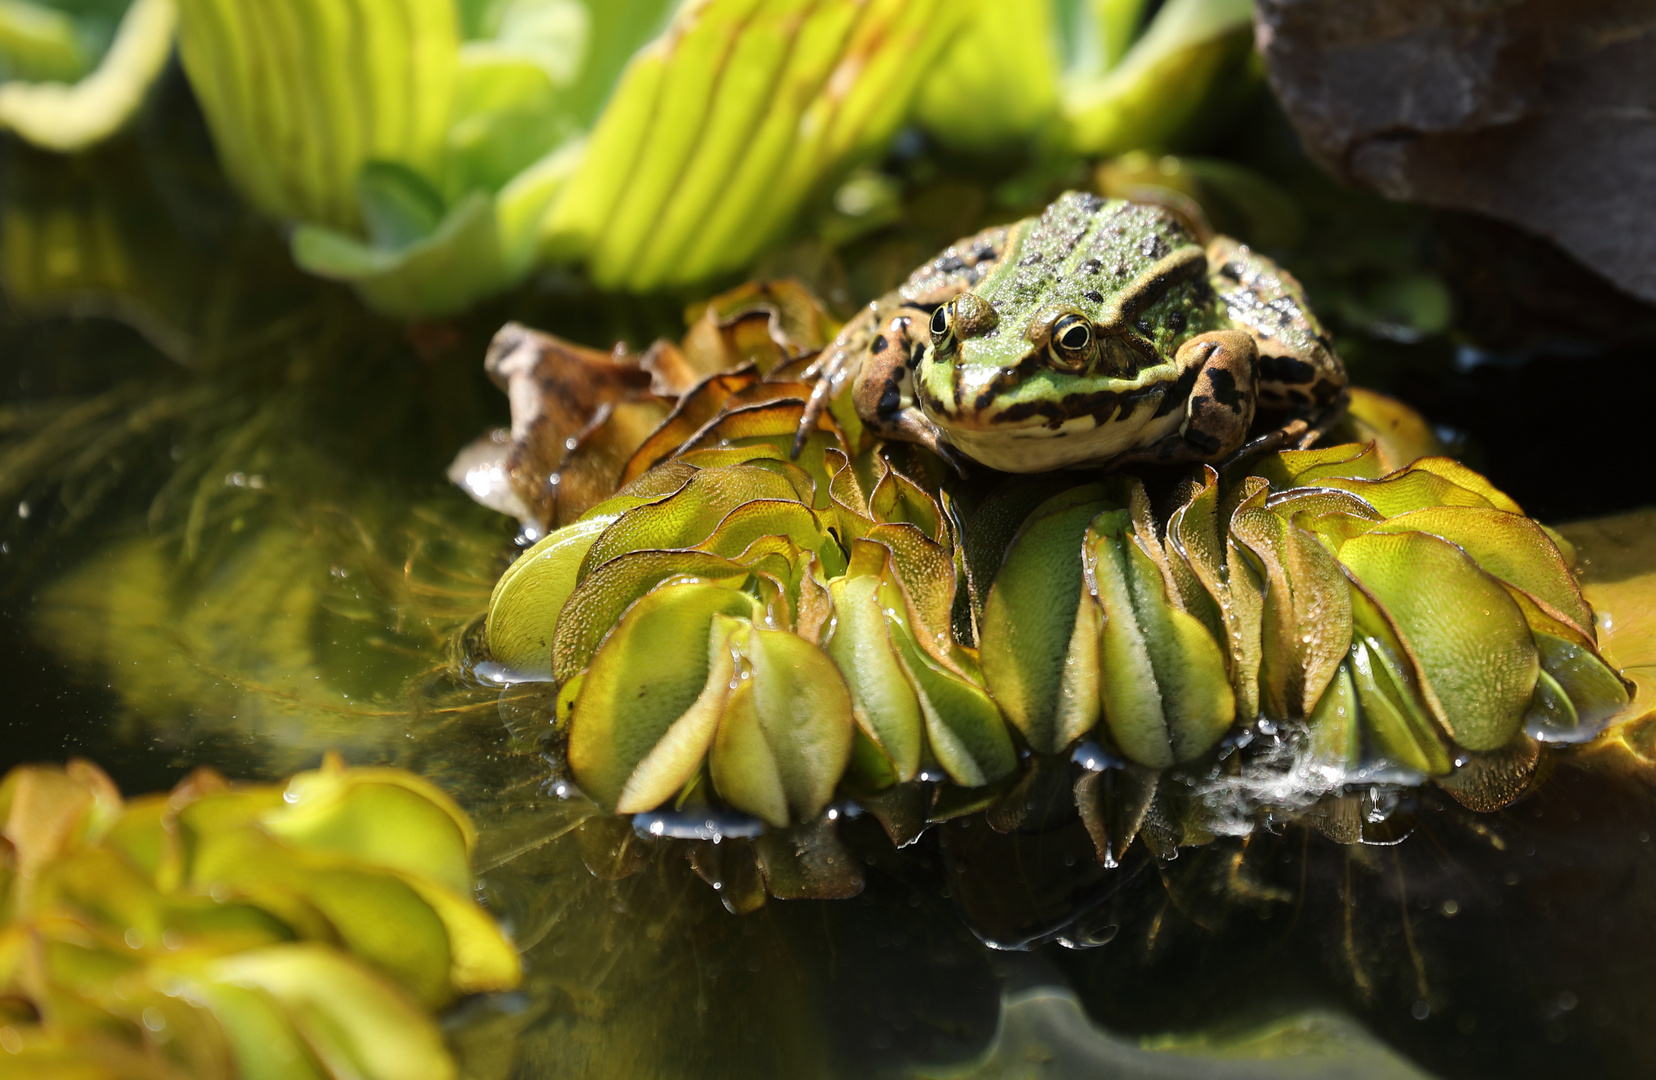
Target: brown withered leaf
[(578, 414), (766, 323)]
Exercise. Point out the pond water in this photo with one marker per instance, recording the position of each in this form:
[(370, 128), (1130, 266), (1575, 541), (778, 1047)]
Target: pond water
[(225, 539)]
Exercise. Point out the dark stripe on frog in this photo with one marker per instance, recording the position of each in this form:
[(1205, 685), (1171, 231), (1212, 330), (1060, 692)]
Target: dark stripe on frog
[(1203, 443), (1180, 393), (1286, 370), (1006, 378), (891, 399)]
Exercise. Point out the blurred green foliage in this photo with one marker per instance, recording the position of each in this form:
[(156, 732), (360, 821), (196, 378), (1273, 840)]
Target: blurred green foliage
[(434, 152), (304, 931)]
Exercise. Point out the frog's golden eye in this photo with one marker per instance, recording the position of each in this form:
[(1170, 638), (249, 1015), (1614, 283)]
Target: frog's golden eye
[(1072, 342), (941, 321)]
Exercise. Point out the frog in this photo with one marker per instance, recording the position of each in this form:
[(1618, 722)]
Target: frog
[(1099, 333)]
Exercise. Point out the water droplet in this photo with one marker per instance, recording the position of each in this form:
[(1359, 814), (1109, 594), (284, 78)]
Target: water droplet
[(1420, 1010)]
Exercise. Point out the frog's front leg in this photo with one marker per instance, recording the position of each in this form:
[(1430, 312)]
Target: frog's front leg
[(883, 388), (837, 364), (1220, 405)]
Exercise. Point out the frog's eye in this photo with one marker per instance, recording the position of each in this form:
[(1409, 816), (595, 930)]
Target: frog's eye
[(1072, 342), (942, 322)]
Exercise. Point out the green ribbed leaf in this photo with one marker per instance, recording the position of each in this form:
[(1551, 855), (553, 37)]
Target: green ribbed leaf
[(1162, 679), (785, 738), (1030, 623), (1396, 723), (721, 128), (1509, 547), (1467, 637), (523, 611), (1336, 724), (886, 707), (630, 699), (1306, 617), (997, 82), (1191, 51), (301, 95)]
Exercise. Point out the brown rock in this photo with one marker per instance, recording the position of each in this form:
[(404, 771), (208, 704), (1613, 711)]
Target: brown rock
[(1539, 112)]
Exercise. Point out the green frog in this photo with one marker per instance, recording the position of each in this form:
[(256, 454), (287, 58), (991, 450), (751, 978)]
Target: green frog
[(1097, 334)]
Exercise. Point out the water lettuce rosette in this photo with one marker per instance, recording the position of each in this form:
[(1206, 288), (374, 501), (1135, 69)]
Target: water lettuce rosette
[(738, 631), (738, 626), (1410, 618)]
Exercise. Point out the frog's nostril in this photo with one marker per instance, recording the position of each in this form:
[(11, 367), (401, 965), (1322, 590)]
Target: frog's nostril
[(974, 316)]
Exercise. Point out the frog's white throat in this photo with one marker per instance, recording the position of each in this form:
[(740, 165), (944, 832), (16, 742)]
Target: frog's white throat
[(1039, 447)]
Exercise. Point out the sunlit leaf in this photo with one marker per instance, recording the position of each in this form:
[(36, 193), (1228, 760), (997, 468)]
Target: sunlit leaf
[(1476, 657), (523, 612), (1166, 697), (1306, 624), (785, 738), (721, 128), (383, 817), (884, 704), (1029, 621), (301, 96), (355, 1024), (1508, 547), (1192, 50), (629, 698), (997, 81)]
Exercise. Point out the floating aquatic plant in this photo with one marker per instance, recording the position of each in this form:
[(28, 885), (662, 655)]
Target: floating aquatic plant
[(738, 630), (1406, 617), (307, 929)]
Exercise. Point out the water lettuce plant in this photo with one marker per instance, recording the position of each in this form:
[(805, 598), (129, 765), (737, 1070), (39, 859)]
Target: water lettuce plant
[(306, 930), (738, 630)]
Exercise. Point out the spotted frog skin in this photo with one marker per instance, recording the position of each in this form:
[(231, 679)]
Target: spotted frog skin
[(1099, 333)]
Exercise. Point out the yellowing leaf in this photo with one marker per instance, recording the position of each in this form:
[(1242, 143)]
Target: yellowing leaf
[(1473, 648)]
